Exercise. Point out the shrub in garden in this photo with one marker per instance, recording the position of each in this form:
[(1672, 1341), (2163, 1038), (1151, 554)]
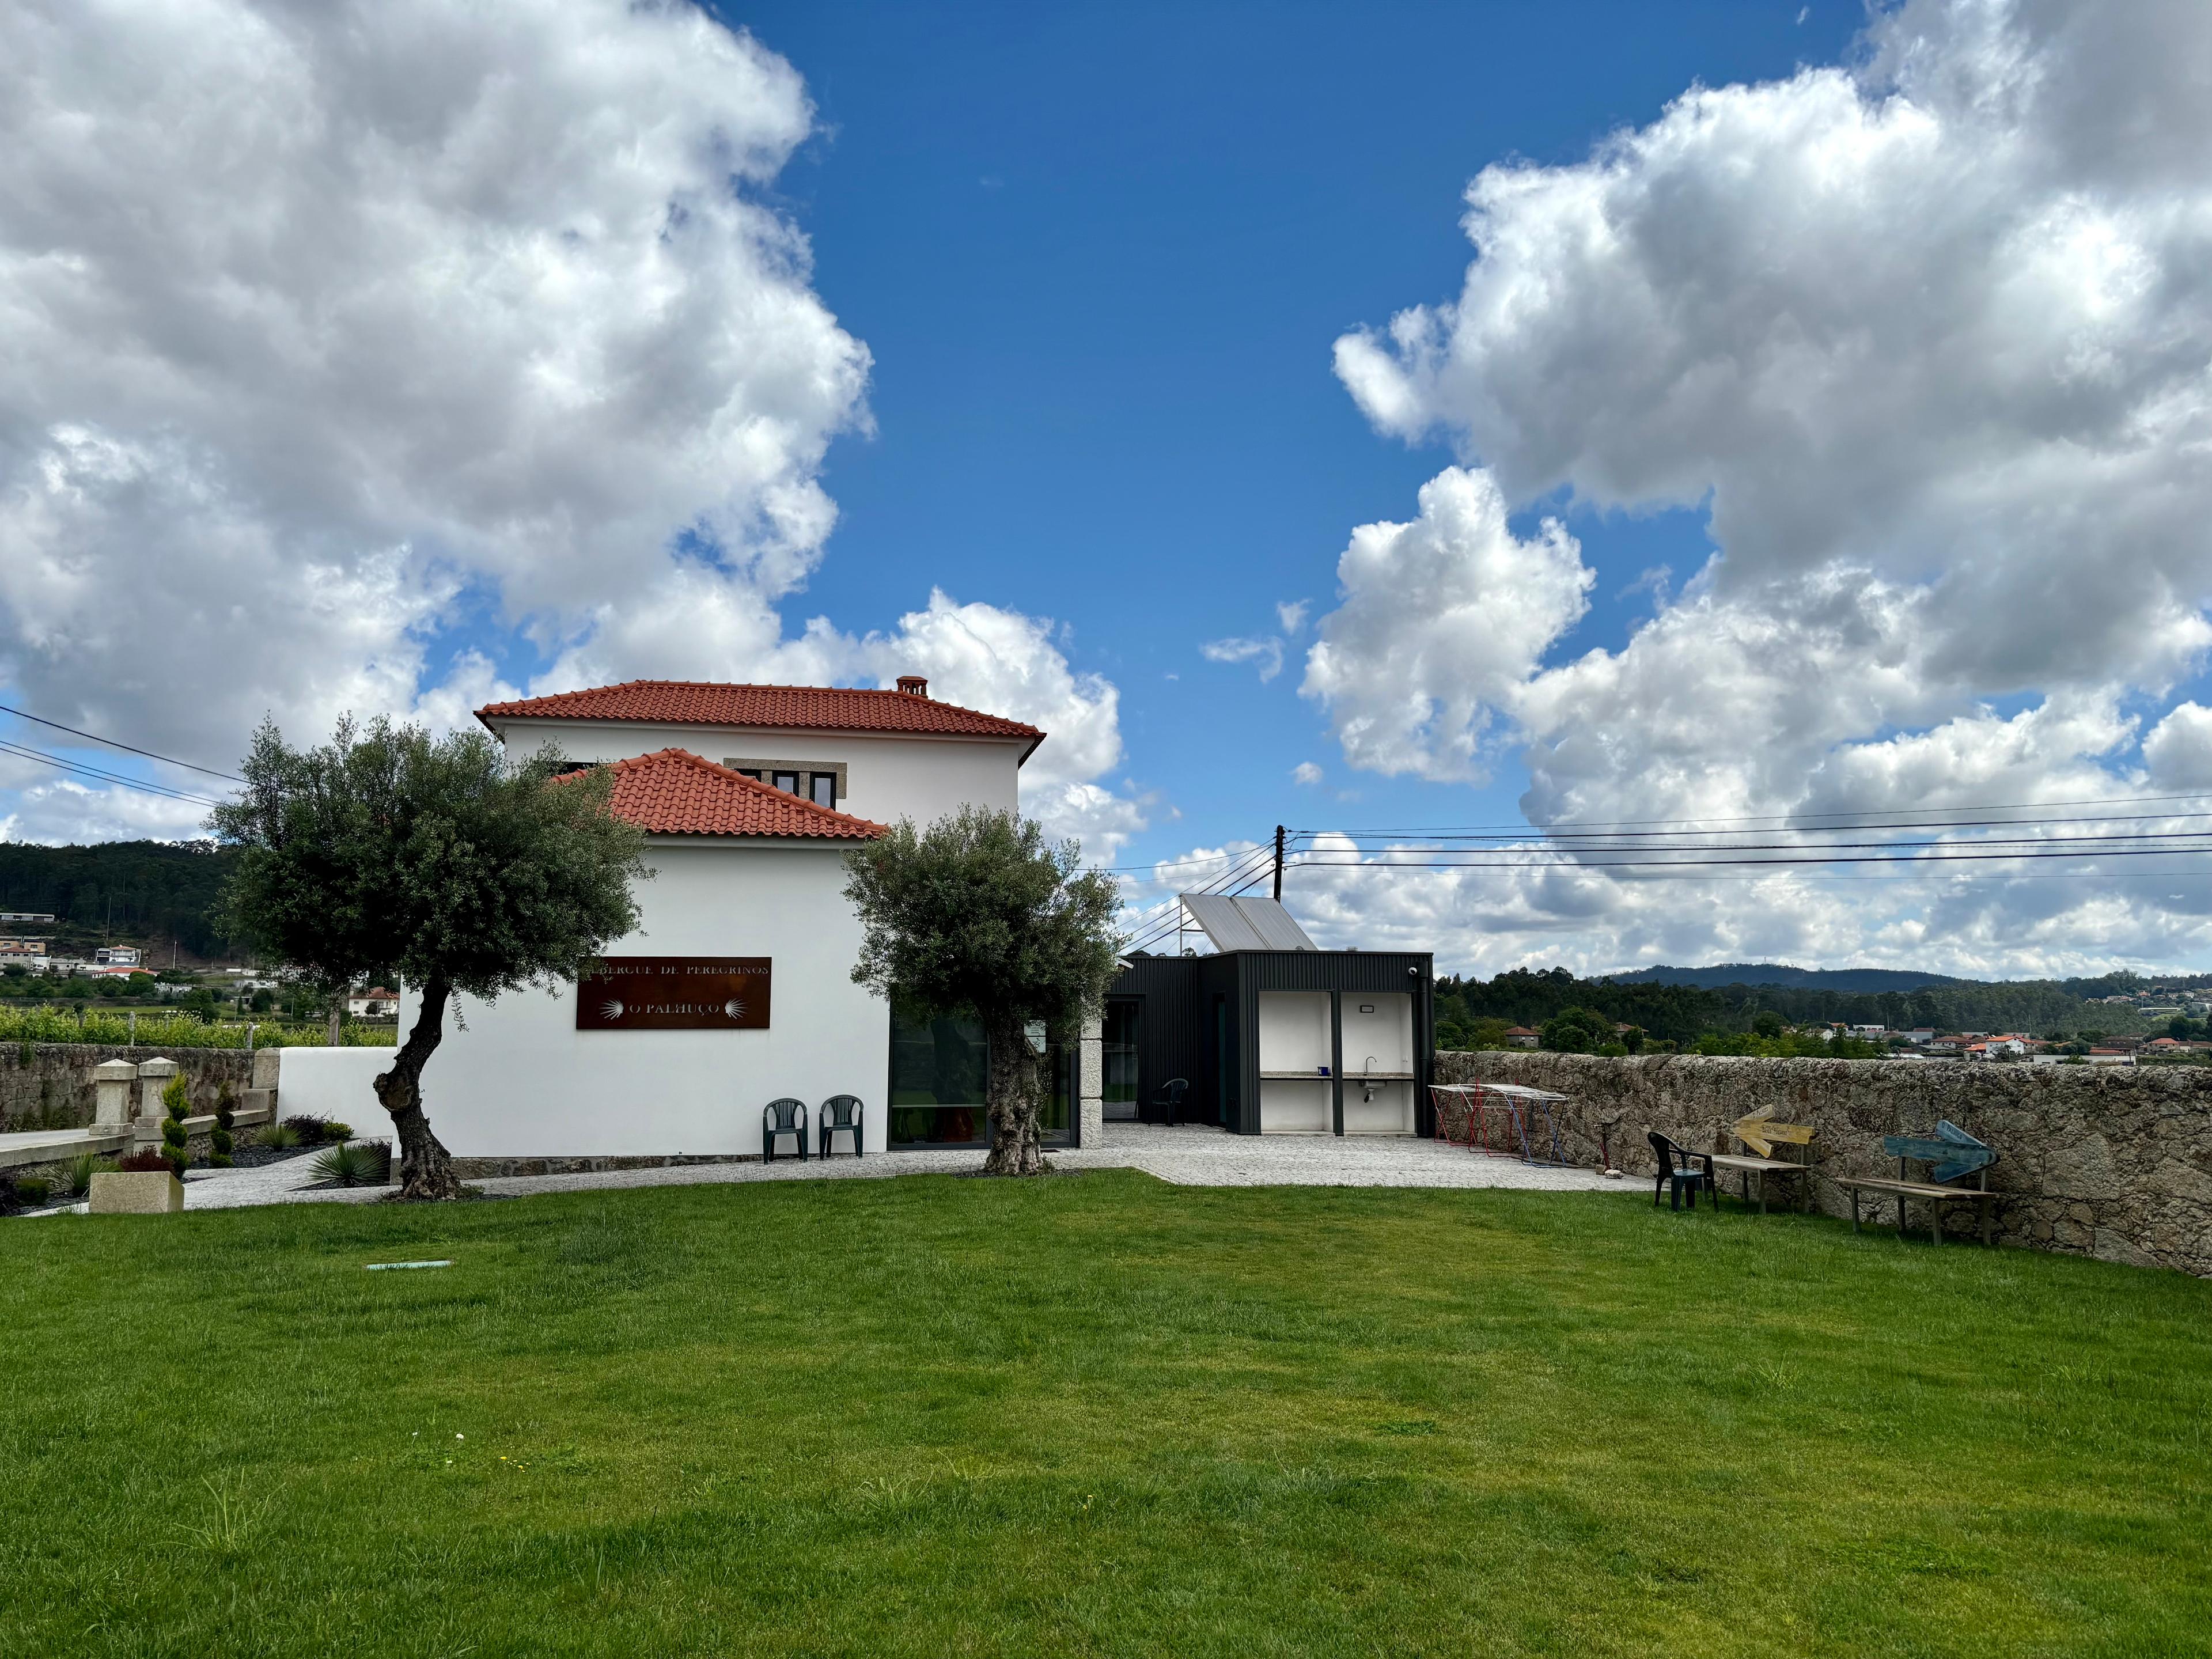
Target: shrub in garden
[(143, 1162), (310, 1127), (82, 1170), (225, 1117), (278, 1136), (349, 1166), (335, 1130), (30, 1191), (176, 1099)]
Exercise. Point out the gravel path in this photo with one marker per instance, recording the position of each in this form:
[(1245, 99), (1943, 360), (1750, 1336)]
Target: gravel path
[(1185, 1156)]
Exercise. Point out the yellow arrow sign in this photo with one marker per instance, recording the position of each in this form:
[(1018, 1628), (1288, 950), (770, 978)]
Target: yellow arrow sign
[(1758, 1131)]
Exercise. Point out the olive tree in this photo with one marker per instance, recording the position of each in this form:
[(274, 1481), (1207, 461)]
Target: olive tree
[(389, 852), (979, 914)]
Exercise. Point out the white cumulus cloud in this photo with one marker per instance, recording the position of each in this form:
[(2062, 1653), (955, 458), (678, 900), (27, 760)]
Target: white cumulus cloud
[(333, 327), (1929, 338)]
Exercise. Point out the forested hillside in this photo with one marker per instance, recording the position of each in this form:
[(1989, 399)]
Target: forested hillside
[(130, 892), (1682, 1013)]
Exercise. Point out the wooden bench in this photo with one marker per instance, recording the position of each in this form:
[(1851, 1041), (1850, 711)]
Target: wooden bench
[(1951, 1155), (1759, 1133)]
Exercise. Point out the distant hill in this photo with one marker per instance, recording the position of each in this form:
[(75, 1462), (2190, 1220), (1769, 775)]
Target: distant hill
[(153, 894), (1857, 981)]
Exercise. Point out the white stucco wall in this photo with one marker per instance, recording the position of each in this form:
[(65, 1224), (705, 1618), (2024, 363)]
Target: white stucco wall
[(887, 778), (522, 1081), (334, 1083)]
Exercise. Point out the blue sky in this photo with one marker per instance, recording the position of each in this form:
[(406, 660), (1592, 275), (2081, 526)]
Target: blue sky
[(1100, 254), (396, 355)]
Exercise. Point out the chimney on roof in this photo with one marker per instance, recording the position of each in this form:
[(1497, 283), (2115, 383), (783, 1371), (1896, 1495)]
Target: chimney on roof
[(913, 685)]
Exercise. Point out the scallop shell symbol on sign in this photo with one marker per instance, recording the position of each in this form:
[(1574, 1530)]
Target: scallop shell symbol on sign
[(611, 1009), (734, 1008)]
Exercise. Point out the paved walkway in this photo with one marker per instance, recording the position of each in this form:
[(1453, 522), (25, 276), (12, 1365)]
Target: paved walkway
[(1184, 1156)]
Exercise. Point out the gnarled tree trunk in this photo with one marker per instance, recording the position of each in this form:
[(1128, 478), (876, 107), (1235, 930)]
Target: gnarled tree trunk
[(1012, 1096), (426, 1170)]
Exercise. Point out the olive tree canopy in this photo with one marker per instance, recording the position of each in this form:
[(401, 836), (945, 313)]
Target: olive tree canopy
[(388, 852), (980, 914)]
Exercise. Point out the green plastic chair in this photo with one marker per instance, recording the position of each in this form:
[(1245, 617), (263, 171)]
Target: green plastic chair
[(841, 1112), (785, 1116)]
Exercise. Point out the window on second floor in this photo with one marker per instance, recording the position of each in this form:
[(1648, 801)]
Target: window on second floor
[(822, 782)]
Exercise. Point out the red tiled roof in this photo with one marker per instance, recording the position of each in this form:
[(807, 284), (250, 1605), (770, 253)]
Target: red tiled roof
[(671, 792), (820, 708)]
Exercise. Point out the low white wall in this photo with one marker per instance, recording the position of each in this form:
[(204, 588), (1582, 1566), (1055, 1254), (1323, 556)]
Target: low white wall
[(1390, 1113), (522, 1081), (1297, 1106), (333, 1083)]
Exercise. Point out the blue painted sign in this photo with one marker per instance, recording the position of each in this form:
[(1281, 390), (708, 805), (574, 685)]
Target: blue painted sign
[(1952, 1151)]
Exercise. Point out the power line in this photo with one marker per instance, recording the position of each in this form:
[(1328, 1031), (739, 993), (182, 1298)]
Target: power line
[(1694, 849), (100, 775), (1167, 863), (1166, 918), (1476, 862), (1682, 836), (167, 760), (1781, 818)]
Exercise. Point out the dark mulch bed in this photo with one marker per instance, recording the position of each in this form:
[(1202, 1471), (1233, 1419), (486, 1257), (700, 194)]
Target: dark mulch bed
[(249, 1155)]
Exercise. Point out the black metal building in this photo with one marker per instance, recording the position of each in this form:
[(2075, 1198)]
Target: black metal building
[(1269, 1039)]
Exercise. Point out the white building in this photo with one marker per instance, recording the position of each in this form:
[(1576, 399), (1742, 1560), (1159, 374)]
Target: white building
[(736, 988), (116, 956)]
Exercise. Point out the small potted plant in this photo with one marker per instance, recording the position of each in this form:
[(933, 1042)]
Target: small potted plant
[(142, 1183)]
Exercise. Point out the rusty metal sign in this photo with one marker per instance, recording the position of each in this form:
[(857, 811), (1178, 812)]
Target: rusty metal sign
[(675, 993)]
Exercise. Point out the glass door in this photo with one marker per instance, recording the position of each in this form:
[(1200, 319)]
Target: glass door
[(1123, 1023), (940, 1076)]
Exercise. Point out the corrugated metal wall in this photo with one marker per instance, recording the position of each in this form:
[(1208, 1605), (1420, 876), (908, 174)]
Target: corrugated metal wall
[(1171, 1032), (1177, 1038)]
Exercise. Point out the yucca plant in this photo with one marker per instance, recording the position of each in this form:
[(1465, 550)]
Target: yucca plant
[(176, 1098), (349, 1164), (82, 1170), (279, 1137)]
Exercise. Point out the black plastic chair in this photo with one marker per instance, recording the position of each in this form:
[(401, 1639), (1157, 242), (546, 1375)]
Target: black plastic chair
[(840, 1112), (1169, 1096), (785, 1116), (1679, 1168)]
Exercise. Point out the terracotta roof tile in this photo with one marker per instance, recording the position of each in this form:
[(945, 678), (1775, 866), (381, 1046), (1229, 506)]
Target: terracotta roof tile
[(671, 792), (821, 708)]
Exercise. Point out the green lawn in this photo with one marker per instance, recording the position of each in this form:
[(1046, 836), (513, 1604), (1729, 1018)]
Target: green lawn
[(1092, 1414)]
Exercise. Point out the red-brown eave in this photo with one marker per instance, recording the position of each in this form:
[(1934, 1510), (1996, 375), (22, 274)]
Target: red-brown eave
[(673, 791), (800, 707)]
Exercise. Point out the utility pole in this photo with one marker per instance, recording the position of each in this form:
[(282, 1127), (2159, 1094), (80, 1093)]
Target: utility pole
[(1278, 863)]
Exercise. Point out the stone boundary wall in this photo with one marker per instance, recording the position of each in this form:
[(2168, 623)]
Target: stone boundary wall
[(52, 1089), (2110, 1161)]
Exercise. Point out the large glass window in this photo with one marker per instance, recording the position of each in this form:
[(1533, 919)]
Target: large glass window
[(940, 1071), (1120, 1081)]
